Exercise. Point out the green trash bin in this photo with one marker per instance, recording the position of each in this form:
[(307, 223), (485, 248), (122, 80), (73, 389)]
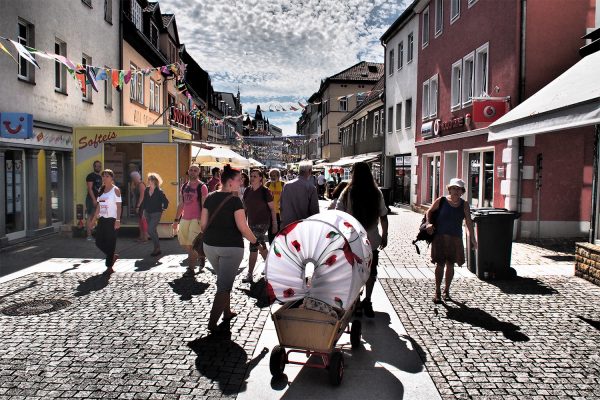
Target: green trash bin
[(494, 232)]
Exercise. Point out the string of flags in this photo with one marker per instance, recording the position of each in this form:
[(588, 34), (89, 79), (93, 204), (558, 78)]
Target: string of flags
[(278, 107)]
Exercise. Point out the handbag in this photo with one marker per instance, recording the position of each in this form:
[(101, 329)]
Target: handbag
[(198, 242), (423, 234)]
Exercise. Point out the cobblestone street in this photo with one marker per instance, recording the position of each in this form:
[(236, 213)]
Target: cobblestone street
[(142, 333)]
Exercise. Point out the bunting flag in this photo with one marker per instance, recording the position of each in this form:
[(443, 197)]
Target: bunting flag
[(91, 78), (101, 75), (24, 53), (4, 49), (81, 78), (301, 105)]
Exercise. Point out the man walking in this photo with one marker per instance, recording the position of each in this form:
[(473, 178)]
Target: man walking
[(299, 198), (215, 181), (94, 183), (187, 218), (321, 185)]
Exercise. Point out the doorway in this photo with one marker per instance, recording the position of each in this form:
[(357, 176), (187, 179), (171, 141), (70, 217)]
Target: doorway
[(15, 193)]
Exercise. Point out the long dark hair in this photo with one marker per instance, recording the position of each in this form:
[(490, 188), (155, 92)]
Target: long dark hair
[(338, 190), (364, 195)]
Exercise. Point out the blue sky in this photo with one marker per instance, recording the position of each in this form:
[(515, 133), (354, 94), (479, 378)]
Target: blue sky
[(277, 51)]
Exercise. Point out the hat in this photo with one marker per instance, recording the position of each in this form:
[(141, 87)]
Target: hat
[(456, 182)]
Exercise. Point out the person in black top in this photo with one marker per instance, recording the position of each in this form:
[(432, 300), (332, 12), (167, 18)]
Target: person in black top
[(153, 205), (223, 222), (94, 183)]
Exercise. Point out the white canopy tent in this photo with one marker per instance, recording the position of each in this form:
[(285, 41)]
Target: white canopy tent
[(255, 163), (218, 157), (572, 100)]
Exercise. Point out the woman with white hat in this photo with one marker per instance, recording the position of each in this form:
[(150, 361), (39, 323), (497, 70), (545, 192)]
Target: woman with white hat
[(447, 247)]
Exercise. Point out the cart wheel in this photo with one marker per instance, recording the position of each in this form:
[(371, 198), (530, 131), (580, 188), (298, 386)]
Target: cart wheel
[(278, 361), (355, 333), (336, 368)]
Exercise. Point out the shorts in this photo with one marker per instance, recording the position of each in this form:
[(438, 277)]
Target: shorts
[(260, 231), (90, 207), (188, 230), (374, 263)]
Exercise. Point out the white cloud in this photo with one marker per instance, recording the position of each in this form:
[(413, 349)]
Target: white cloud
[(280, 49)]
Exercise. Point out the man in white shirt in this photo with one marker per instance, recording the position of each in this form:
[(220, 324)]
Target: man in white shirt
[(321, 185)]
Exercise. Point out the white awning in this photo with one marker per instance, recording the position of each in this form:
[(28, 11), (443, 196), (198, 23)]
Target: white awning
[(218, 157), (572, 100), (346, 161)]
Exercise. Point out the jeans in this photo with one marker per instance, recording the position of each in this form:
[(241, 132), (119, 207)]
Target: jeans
[(225, 261), (106, 238), (153, 220)]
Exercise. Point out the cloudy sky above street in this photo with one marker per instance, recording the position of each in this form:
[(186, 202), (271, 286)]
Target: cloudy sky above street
[(277, 51)]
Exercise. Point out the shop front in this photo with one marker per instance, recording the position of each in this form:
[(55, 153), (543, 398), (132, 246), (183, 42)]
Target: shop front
[(164, 150), (402, 178), (35, 176)]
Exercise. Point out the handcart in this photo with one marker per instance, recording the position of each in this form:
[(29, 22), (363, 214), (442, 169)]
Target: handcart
[(317, 308)]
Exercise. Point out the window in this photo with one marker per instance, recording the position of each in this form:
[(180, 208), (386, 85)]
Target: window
[(85, 61), (25, 37), (400, 54), (471, 2), (364, 128), (87, 3), (454, 10), (467, 79), (376, 126), (340, 135), (381, 121), (425, 105), (343, 104), (151, 95), (455, 101), (391, 63), (360, 97), (136, 14), (136, 85), (398, 116), (390, 120), (480, 183), (60, 71), (154, 34), (156, 97), (108, 11), (408, 113), (430, 97), (481, 71), (108, 89), (409, 54), (439, 17), (425, 27)]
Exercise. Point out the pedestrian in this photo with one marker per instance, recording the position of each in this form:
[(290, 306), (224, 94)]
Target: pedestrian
[(321, 185), (138, 189), (364, 201), (313, 180), (244, 185), (215, 181), (224, 226), (108, 213), (447, 247), (275, 185), (154, 203), (187, 217), (260, 210), (335, 195), (299, 199), (339, 178), (93, 182)]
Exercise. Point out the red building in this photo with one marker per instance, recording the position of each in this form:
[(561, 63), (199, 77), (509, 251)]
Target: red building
[(503, 50)]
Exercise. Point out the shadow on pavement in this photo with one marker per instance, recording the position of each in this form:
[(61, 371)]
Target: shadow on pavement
[(19, 290), (187, 287), (146, 264), (593, 323), (479, 318), (222, 360), (258, 291), (92, 284), (521, 285)]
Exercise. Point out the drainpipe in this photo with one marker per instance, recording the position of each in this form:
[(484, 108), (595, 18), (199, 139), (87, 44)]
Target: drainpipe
[(121, 59), (521, 97)]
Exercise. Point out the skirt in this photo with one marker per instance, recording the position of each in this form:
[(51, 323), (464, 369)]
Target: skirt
[(447, 249)]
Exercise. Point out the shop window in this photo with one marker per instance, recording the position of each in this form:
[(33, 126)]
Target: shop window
[(402, 179), (481, 179), (14, 176), (425, 27), (60, 71), (25, 37)]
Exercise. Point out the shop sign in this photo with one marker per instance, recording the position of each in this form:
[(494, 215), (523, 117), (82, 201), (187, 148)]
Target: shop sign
[(427, 130), (181, 118), (96, 140), (453, 123), (16, 125)]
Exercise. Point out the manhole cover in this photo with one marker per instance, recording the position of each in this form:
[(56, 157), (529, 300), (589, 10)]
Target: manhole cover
[(34, 307)]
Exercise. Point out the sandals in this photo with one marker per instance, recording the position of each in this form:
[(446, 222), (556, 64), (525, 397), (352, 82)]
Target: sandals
[(446, 295), (230, 316), (437, 299)]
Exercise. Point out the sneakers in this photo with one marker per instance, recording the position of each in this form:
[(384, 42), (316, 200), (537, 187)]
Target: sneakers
[(248, 279), (367, 308)]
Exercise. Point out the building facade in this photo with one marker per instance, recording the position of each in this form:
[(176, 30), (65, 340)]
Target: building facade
[(36, 173), (462, 61), (401, 67)]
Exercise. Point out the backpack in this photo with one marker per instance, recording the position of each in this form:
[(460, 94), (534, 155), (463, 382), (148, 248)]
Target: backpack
[(198, 192), (423, 234)]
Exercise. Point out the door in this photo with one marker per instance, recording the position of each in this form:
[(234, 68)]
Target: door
[(432, 166), (481, 179), (15, 194), (402, 179), (163, 159)]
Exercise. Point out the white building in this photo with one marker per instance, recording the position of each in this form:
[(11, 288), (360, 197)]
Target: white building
[(401, 61), (36, 170)]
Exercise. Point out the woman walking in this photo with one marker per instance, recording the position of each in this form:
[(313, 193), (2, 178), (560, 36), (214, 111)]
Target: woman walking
[(447, 247), (138, 187), (155, 202), (260, 209), (364, 201), (108, 215), (224, 226)]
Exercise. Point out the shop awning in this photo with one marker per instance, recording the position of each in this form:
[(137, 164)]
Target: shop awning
[(255, 163), (218, 157), (347, 161), (572, 100)]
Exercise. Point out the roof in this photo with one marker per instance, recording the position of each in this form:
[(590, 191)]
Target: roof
[(363, 71), (151, 6), (398, 23), (375, 95), (167, 19)]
